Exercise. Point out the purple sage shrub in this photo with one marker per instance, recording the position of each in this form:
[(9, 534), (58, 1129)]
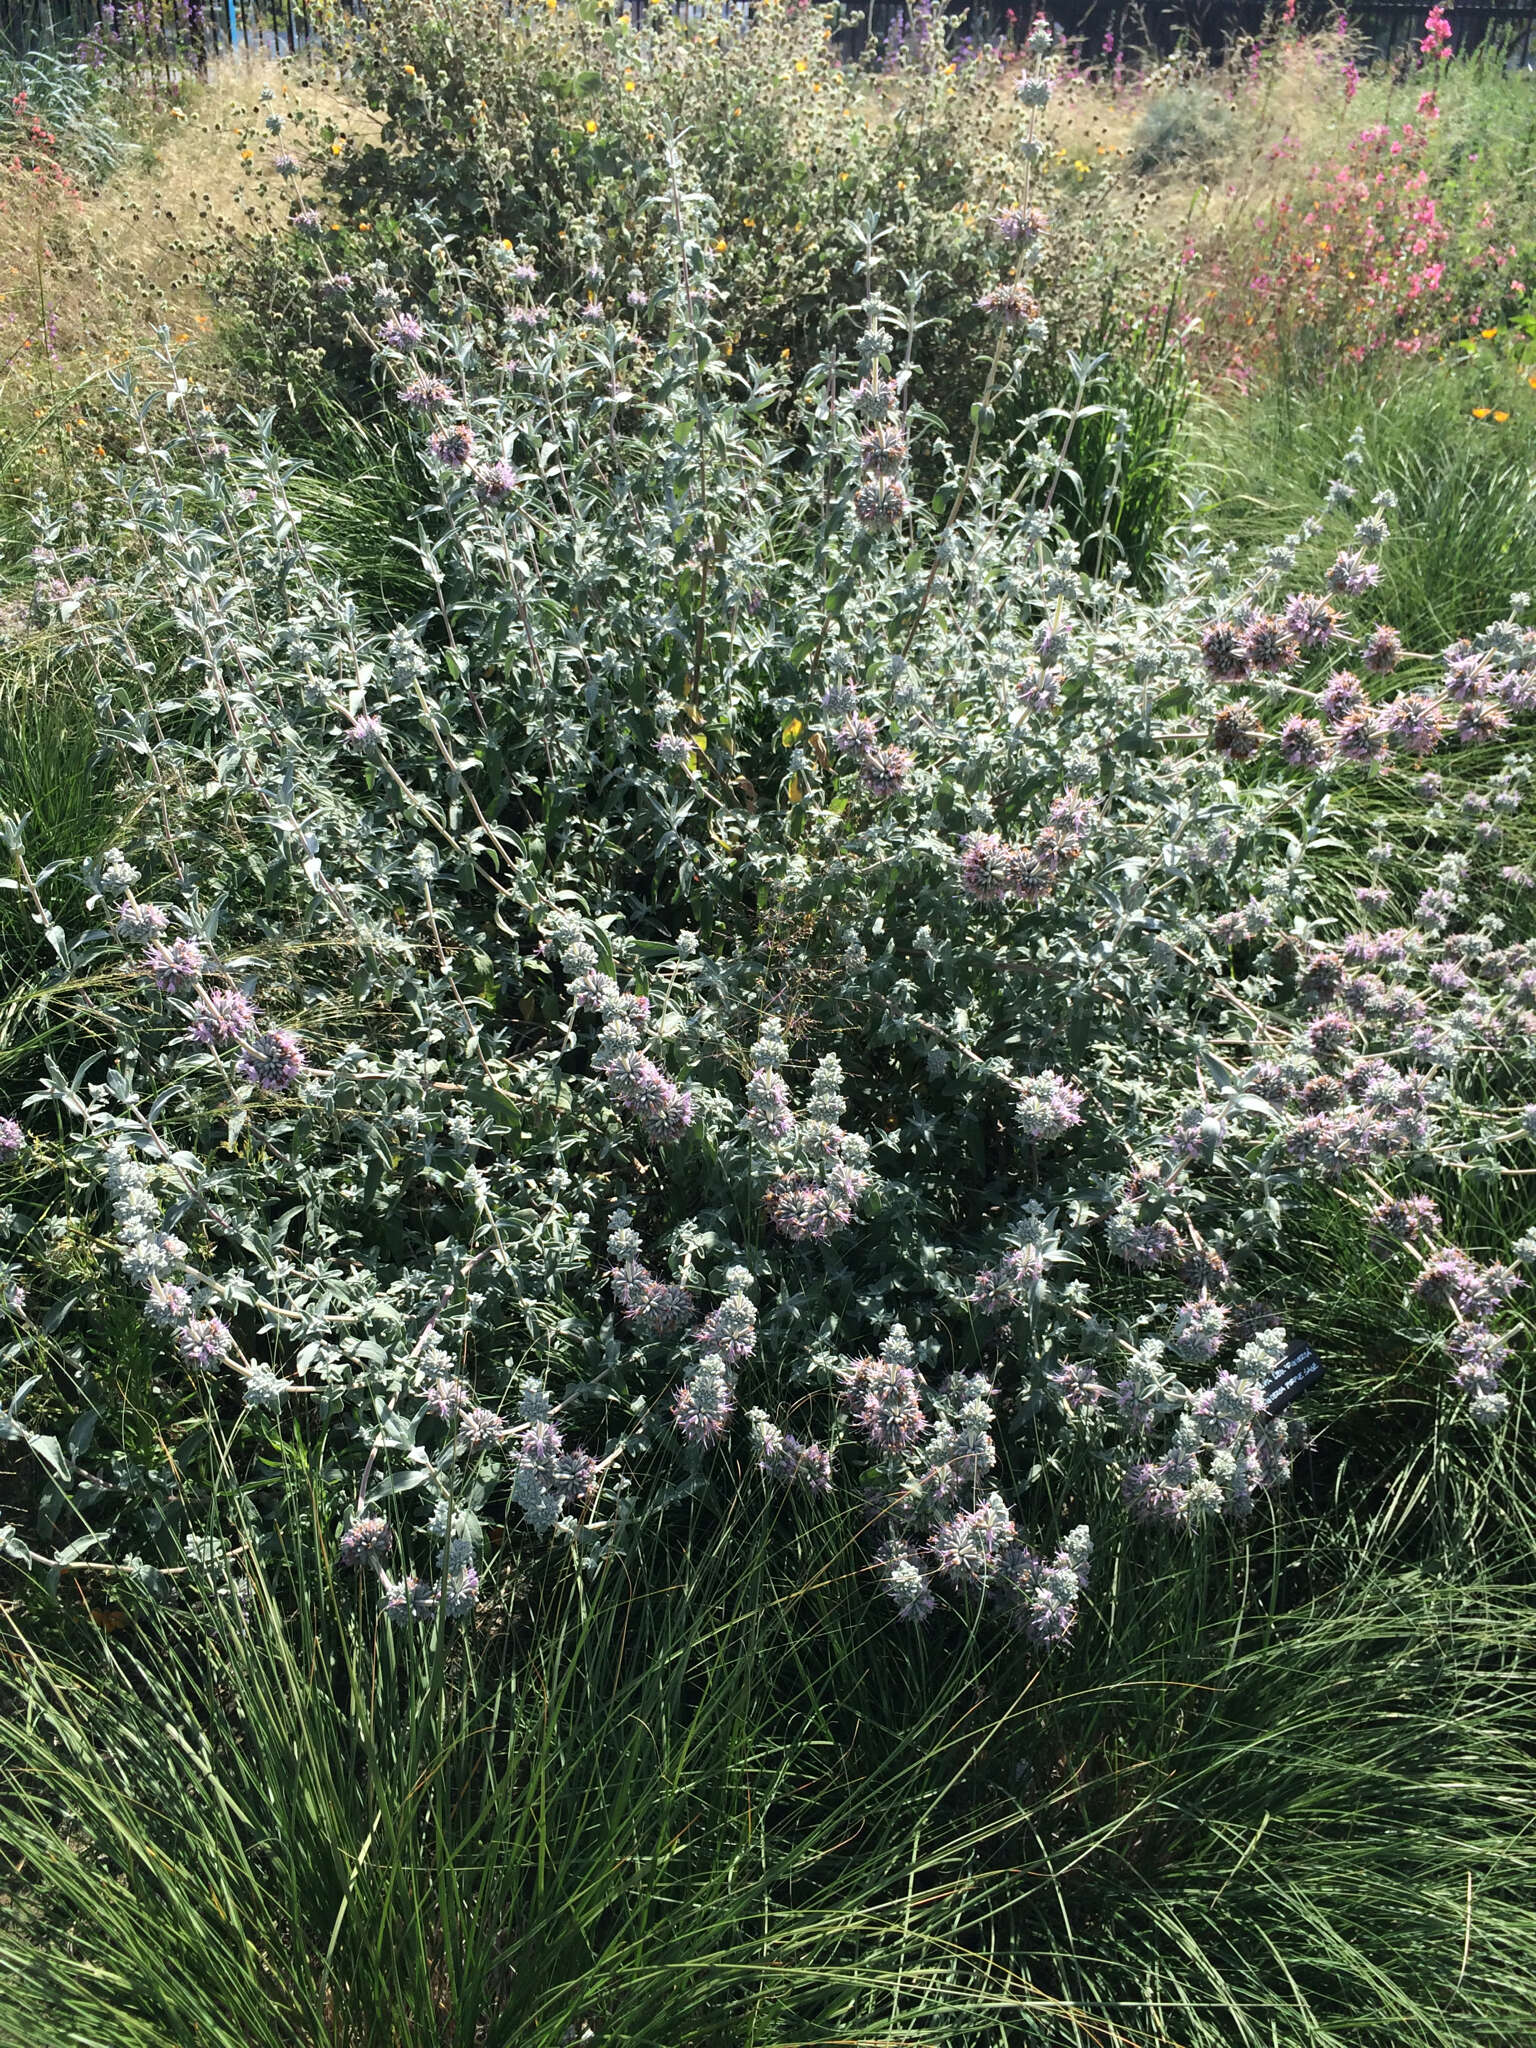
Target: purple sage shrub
[(784, 1001)]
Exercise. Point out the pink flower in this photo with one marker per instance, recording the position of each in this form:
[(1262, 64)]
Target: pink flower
[(1437, 36)]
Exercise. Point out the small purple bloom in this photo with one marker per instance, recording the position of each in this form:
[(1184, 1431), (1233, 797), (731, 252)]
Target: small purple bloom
[(138, 923), (169, 1303), (203, 1341), (272, 1061), (704, 1403), (174, 967), (1414, 722), (1047, 1106), (1269, 646), (1199, 1328), (1340, 696), (1224, 651), (881, 1397), (1352, 573), (1312, 620), (369, 1540), (365, 735), (880, 503), (1303, 743), (884, 770), (496, 482), (1382, 651), (1481, 722), (220, 1016), (401, 331), (453, 447), (805, 1211), (662, 1110), (1408, 1218), (1236, 732), (1360, 737), (426, 394)]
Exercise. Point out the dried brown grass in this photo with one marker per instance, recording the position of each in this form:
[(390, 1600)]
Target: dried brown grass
[(87, 279)]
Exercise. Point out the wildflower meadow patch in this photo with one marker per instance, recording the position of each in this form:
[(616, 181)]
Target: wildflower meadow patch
[(763, 1239)]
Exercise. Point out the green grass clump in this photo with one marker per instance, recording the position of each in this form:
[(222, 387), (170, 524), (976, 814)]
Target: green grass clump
[(1464, 537), (51, 776), (726, 1805)]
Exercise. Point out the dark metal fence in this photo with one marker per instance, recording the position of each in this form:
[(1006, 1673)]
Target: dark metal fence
[(1101, 28), (1395, 29), (189, 32)]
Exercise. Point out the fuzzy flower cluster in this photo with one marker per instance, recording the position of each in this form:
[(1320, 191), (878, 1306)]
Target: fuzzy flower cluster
[(651, 1308), (1047, 1107), (637, 1086), (784, 1459), (882, 768), (550, 1477), (218, 1018), (176, 1299), (704, 1404), (992, 870), (880, 501), (1221, 1448), (819, 1172)]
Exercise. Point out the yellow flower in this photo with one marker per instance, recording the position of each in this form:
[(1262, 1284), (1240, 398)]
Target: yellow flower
[(720, 246), (1480, 412), (1501, 417), (629, 83), (1488, 333), (335, 149), (591, 127), (1532, 382)]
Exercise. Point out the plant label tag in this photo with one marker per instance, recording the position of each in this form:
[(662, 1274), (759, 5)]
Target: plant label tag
[(1301, 1368)]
